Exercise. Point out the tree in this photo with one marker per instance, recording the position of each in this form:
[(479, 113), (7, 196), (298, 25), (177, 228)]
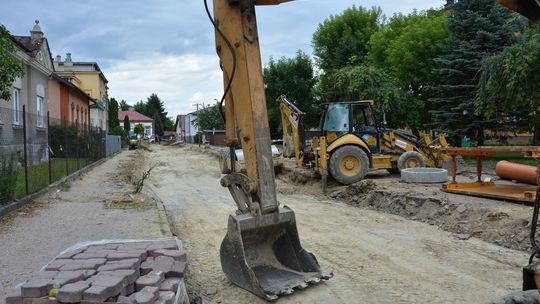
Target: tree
[(169, 124), (210, 118), (406, 49), (127, 125), (478, 28), (364, 82), (138, 129), (124, 105), (140, 107), (293, 77), (508, 90), (113, 114), (158, 124), (342, 40), (10, 68)]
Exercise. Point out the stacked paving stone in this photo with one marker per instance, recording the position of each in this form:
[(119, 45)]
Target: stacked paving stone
[(130, 272)]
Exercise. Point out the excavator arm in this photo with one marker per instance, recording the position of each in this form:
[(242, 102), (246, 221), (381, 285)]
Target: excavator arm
[(292, 120), (261, 251)]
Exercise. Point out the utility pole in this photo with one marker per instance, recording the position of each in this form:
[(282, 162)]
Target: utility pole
[(197, 105)]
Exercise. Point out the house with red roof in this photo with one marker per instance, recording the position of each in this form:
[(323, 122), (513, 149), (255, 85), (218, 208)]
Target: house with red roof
[(138, 118)]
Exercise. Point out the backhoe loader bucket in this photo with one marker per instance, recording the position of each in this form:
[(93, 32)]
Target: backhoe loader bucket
[(263, 255)]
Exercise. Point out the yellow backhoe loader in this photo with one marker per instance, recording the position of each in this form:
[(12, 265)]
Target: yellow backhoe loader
[(352, 142), (261, 251)]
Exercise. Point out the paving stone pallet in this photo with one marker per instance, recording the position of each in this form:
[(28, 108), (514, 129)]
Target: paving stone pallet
[(117, 271)]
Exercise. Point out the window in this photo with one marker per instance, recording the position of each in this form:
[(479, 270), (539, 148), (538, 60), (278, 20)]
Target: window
[(337, 118), (40, 110), (16, 106)]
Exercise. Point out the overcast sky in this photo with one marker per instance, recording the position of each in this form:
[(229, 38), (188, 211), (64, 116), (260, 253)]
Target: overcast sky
[(166, 46)]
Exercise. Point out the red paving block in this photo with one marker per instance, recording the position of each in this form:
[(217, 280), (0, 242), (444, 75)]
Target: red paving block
[(154, 278), (45, 275), (178, 270), (69, 254), (97, 293), (57, 264), (177, 255), (123, 255), (71, 276), (72, 293), (129, 275), (92, 255)]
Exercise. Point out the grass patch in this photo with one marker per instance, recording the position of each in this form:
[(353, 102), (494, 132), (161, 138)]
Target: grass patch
[(38, 175), (491, 162)]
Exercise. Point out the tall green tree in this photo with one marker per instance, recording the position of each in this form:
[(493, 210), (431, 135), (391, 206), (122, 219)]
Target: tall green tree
[(210, 118), (140, 107), (340, 41), (365, 82), (124, 106), (295, 78), (405, 49), (155, 109), (10, 68), (478, 28), (510, 86), (127, 125), (113, 114)]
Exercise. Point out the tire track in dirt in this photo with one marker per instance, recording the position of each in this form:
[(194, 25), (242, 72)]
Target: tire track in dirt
[(376, 257)]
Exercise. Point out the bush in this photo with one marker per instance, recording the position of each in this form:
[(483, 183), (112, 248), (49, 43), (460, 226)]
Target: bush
[(118, 130), (8, 178)]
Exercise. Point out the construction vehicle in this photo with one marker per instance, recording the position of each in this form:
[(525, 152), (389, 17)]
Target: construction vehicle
[(261, 251), (352, 142)]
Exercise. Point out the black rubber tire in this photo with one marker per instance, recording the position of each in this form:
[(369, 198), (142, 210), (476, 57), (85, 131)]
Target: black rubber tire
[(410, 156), (353, 152), (224, 161), (393, 170)]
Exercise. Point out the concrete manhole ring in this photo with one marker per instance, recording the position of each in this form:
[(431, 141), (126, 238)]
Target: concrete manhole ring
[(424, 175)]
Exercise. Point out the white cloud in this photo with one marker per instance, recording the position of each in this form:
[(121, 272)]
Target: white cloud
[(179, 81)]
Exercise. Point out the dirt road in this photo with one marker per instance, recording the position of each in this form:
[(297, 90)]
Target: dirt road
[(376, 257)]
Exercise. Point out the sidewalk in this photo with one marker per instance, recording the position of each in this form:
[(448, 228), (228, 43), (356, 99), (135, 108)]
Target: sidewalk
[(32, 236)]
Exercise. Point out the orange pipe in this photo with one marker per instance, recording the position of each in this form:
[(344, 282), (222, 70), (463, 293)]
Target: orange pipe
[(519, 172)]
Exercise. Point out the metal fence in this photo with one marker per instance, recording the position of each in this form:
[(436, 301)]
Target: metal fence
[(37, 150), (113, 144)]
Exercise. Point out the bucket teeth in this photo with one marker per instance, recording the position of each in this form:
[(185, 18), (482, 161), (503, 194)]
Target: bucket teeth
[(302, 285), (326, 275), (286, 291), (313, 280)]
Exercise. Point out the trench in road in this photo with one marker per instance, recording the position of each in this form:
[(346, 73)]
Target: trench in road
[(375, 257)]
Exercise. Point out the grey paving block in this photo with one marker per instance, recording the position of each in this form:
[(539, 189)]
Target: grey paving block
[(35, 288), (170, 284), (14, 296), (166, 297), (45, 275), (72, 293), (97, 293), (178, 270), (92, 255), (147, 295)]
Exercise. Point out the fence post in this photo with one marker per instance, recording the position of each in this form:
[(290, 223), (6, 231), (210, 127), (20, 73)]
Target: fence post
[(77, 143), (65, 145), (25, 152), (49, 145)]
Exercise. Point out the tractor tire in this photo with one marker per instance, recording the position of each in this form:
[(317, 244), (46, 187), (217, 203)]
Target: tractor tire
[(349, 164), (393, 170), (411, 159), (224, 161)]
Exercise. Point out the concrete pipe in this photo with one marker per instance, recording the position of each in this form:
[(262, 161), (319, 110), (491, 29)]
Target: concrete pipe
[(424, 175), (519, 172)]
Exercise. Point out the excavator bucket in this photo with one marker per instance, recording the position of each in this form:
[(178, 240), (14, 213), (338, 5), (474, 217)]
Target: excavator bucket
[(263, 255)]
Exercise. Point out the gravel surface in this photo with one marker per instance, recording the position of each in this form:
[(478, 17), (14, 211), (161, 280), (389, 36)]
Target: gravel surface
[(376, 257), (32, 236)]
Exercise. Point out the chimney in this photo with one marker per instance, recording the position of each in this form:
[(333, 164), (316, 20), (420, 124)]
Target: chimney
[(36, 33), (56, 62), (68, 63)]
